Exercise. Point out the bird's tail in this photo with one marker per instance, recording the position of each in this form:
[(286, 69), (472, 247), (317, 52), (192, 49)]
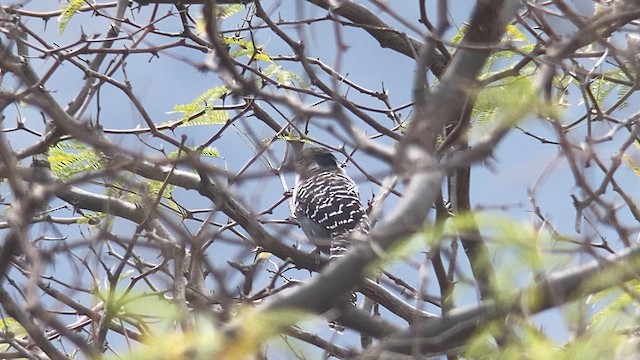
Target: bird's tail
[(339, 246)]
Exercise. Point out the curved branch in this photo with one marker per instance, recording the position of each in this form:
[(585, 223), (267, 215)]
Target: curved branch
[(225, 203), (387, 36), (443, 334)]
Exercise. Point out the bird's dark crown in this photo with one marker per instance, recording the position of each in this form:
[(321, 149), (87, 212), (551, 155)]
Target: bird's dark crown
[(316, 159)]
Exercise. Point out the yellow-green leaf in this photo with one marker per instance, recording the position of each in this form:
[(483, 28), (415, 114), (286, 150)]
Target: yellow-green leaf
[(203, 104), (67, 13), (71, 158), (228, 10), (513, 33), (634, 166)]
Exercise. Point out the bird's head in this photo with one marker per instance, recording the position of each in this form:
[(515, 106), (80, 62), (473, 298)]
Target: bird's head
[(314, 160)]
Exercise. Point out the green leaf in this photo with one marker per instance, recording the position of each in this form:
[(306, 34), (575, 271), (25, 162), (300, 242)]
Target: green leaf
[(513, 33), (622, 91), (236, 40), (89, 217), (512, 98), (254, 327), (601, 88), (67, 13), (246, 48), (287, 137), (119, 186), (617, 310), (156, 186), (209, 117), (206, 99), (70, 158), (199, 342), (634, 166), (206, 152), (12, 326), (203, 104), (229, 10), (284, 77), (460, 34), (520, 340), (221, 12), (210, 152)]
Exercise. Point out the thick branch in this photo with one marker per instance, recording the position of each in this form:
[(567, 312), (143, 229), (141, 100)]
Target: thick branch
[(445, 105), (443, 334), (225, 203)]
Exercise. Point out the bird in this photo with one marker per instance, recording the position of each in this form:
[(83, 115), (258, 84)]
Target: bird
[(327, 202)]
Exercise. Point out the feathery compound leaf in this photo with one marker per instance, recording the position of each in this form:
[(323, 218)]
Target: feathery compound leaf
[(514, 34), (235, 40), (460, 34), (634, 166), (10, 325), (119, 187), (622, 92), (221, 12), (254, 328), (284, 77), (206, 152), (156, 186), (246, 48), (512, 98), (287, 137), (229, 10), (210, 152), (209, 117), (617, 310), (601, 88), (67, 13), (207, 98), (204, 104), (68, 159), (167, 193), (271, 69), (287, 77)]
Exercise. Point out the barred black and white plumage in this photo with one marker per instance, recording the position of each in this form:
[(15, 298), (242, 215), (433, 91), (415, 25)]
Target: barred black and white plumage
[(327, 203)]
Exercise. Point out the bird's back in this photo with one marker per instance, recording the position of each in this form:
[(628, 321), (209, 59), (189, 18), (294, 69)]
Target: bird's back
[(328, 209)]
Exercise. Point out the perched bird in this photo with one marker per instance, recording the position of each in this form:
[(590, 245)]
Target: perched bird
[(327, 203)]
